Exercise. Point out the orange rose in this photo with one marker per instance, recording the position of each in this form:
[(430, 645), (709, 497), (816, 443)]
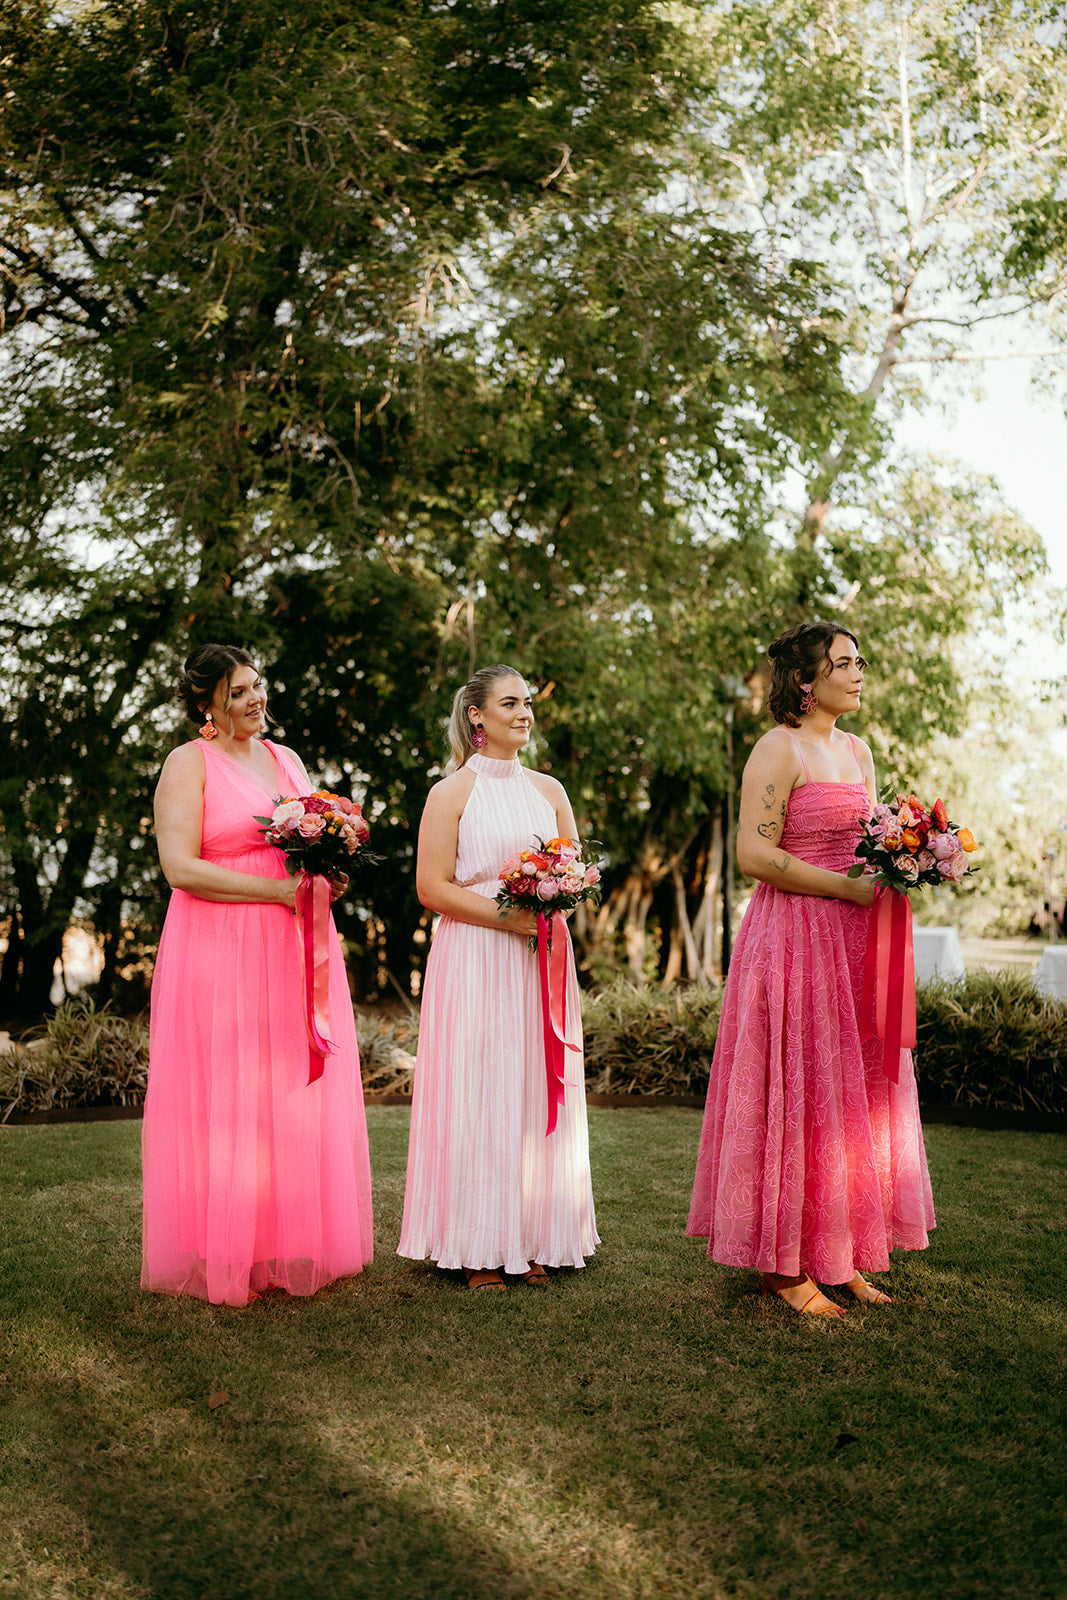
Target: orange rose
[(912, 840), (967, 840)]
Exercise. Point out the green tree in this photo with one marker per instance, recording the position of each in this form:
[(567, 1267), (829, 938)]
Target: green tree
[(315, 329)]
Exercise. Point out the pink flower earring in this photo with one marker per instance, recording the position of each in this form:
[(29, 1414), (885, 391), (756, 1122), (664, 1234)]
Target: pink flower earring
[(209, 730), (808, 702), (478, 737)]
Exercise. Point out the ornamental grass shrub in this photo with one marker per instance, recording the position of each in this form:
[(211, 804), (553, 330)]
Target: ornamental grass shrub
[(88, 1056), (650, 1040), (987, 1043), (83, 1056), (990, 1042)]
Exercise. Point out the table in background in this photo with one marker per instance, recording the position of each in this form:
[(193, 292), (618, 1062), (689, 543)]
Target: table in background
[(938, 954), (1050, 974)]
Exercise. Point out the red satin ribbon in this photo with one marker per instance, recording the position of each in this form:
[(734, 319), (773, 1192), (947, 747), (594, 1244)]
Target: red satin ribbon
[(887, 1009), (553, 959), (313, 912)]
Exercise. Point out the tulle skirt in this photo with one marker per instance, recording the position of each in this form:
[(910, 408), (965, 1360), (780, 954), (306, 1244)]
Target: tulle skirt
[(252, 1177)]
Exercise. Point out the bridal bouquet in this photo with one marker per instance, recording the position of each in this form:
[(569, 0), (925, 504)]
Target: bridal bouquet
[(909, 845), (321, 834), (552, 877)]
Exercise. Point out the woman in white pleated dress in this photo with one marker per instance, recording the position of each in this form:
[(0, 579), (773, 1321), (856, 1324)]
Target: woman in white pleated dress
[(487, 1190)]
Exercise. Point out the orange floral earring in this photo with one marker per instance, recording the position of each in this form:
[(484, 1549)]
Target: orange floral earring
[(209, 730)]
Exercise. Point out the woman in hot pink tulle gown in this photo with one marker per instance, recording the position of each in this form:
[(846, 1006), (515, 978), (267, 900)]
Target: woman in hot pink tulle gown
[(253, 1177), (487, 1191), (811, 1165)]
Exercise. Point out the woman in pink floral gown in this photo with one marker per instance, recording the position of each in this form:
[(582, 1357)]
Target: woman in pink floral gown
[(811, 1165)]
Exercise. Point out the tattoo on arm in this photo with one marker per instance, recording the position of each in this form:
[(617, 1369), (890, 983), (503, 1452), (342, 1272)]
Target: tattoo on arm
[(781, 865), (770, 830), (768, 797)]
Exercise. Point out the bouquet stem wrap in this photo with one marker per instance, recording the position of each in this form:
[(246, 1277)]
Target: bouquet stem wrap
[(313, 915), (887, 1009), (553, 961)]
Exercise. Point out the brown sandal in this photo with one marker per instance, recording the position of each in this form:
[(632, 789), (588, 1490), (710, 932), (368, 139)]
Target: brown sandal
[(483, 1278), (868, 1294), (807, 1308), (536, 1275)]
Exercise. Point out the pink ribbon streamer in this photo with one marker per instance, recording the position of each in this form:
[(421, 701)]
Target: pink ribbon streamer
[(313, 913), (887, 1007), (553, 962)]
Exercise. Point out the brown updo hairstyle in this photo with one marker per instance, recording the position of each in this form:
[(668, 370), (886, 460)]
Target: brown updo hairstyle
[(797, 657), (204, 670), (471, 697)]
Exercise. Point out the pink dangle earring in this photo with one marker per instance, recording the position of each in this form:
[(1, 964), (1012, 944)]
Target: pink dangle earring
[(808, 703), (478, 737), (209, 730)]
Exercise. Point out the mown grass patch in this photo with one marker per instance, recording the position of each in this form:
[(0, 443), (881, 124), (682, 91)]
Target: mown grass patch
[(646, 1427)]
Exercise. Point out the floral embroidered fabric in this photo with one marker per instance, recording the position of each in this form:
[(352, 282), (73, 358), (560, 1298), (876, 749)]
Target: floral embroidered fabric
[(810, 1159)]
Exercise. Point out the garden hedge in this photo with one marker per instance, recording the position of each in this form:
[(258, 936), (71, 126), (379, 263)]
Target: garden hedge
[(989, 1043)]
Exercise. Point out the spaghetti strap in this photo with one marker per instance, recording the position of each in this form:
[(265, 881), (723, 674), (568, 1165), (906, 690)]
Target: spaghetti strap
[(856, 755), (800, 753)]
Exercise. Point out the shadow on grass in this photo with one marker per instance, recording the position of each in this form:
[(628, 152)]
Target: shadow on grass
[(649, 1426)]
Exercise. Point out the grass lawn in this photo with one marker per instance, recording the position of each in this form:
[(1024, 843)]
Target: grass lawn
[(646, 1427)]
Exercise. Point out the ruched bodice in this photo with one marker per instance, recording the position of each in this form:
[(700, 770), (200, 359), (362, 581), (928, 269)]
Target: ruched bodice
[(822, 823)]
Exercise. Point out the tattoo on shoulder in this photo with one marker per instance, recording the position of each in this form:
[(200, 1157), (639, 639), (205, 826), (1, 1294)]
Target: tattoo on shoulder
[(768, 797)]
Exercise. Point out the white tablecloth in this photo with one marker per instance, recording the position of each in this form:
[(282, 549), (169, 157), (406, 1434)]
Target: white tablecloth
[(1050, 974), (937, 954)]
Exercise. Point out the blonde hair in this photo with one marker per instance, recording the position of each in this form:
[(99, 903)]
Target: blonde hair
[(470, 698)]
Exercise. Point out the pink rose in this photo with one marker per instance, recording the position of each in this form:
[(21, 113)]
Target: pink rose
[(315, 805), (943, 845), (908, 867), (925, 860), (529, 870), (906, 816), (287, 815), (592, 875), (953, 868), (311, 827), (548, 888), (345, 807), (572, 884)]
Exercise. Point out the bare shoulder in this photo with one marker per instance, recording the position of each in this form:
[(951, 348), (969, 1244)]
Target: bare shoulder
[(550, 787), (863, 752), (775, 749), (185, 763), (450, 794)]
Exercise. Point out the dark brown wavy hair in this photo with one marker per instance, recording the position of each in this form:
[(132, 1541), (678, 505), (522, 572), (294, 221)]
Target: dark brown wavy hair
[(205, 669), (796, 657)]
